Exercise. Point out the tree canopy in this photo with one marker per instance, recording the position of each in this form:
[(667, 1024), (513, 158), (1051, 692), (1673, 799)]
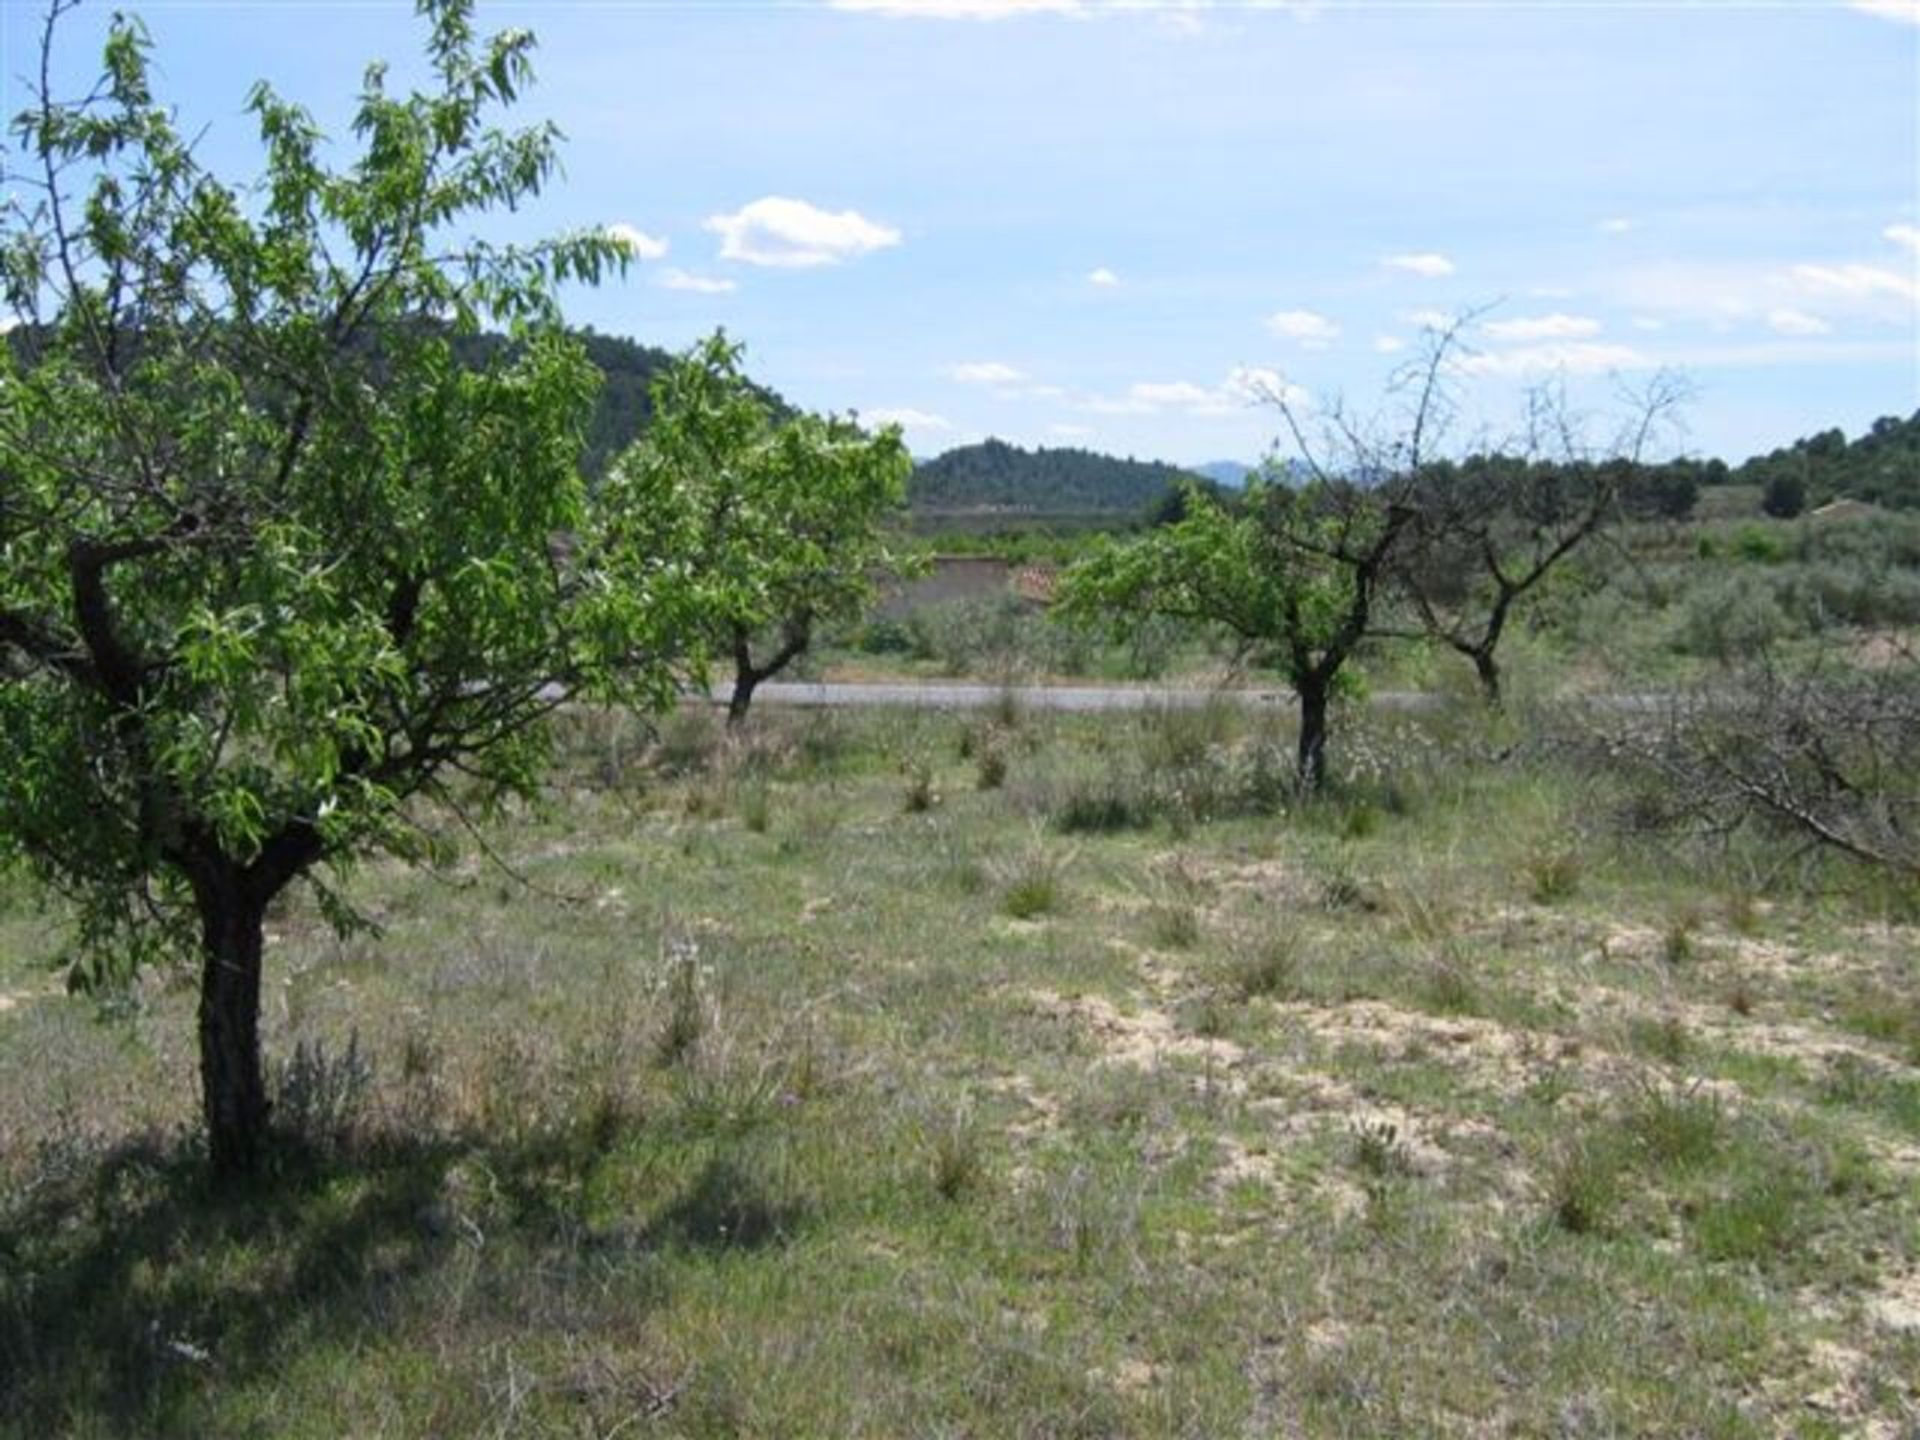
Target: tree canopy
[(787, 509)]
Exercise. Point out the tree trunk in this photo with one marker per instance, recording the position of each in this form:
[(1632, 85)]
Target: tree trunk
[(745, 682), (1313, 735), (1488, 669), (232, 1084)]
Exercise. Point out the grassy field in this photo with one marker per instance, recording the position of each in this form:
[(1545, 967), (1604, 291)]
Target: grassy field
[(1000, 1076)]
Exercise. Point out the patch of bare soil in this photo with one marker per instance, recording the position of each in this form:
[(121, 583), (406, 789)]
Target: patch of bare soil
[(1042, 1110), (1486, 1053), (1145, 1037)]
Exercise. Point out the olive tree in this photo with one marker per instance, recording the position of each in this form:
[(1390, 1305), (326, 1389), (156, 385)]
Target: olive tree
[(787, 509), (273, 567)]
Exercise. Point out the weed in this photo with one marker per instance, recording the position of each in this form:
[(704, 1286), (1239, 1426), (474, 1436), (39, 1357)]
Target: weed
[(1269, 969), (1755, 1219), (1103, 806), (1447, 986), (1031, 887), (318, 1096), (686, 1019), (958, 1163), (920, 795), (1677, 1128), (1378, 1150), (1175, 926), (1585, 1183), (1665, 1039), (755, 807), (991, 772), (1553, 878)]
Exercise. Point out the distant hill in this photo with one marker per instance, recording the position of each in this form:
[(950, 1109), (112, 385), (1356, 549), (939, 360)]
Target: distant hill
[(1225, 472), (1882, 465), (996, 476)]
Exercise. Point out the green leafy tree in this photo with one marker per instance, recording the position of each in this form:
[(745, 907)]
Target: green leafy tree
[(789, 509), (273, 566), (1293, 574), (1785, 495)]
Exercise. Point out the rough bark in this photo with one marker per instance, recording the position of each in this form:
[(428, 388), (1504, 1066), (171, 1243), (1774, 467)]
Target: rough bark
[(232, 1080), (1313, 735)]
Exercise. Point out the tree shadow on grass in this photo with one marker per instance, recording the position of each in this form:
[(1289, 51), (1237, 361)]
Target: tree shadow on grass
[(133, 1292)]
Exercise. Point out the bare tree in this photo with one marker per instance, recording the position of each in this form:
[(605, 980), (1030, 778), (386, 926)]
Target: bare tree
[(1827, 756), (1489, 529)]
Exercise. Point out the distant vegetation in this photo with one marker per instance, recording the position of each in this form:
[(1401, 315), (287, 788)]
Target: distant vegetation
[(994, 475), (1881, 466)]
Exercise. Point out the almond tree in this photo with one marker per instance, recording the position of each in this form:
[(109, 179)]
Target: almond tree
[(273, 567), (788, 509)]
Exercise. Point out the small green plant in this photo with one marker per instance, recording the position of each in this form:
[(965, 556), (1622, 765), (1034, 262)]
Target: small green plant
[(1756, 1219), (1031, 887), (1665, 1039), (756, 809), (920, 796), (1175, 926), (1585, 1183), (958, 1164), (1676, 1128), (1553, 878), (1447, 986), (686, 1019), (1676, 945), (991, 771), (319, 1095), (1030, 896), (1378, 1150), (1269, 969), (1103, 806)]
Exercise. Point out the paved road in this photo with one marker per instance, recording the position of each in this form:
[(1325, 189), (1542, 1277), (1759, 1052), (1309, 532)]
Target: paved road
[(1039, 697)]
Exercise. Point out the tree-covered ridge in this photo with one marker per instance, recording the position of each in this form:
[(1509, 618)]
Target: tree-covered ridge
[(1881, 466), (994, 475)]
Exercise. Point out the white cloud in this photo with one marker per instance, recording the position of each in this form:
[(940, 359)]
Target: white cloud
[(793, 234), (1243, 386), (960, 9), (1570, 357), (1907, 235), (1070, 432), (1103, 277), (1789, 321), (1615, 225), (1543, 327), (640, 245), (1388, 344), (1304, 326), (1154, 395), (907, 418), (1729, 294), (1648, 322), (985, 372), (1429, 319), (1183, 16), (9, 323), (1253, 385), (674, 278), (1859, 281), (1907, 10), (1432, 266)]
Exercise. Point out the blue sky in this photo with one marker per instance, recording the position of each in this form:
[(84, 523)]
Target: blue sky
[(1071, 222)]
